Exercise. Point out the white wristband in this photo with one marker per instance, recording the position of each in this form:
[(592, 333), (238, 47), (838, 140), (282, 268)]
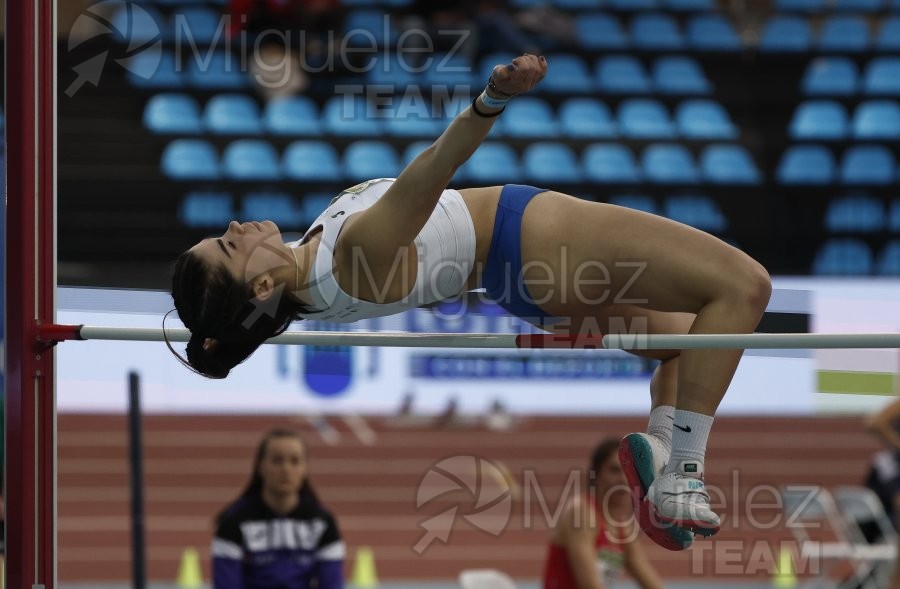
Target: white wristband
[(491, 102)]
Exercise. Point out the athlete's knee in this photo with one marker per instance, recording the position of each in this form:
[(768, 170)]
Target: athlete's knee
[(749, 285)]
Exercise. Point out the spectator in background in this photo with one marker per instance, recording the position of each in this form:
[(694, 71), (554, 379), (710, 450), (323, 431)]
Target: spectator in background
[(597, 536), (277, 533), (884, 475), (295, 38)]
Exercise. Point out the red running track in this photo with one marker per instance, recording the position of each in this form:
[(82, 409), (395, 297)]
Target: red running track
[(194, 465)]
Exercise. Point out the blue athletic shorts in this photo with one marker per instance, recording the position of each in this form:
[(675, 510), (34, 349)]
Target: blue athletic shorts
[(503, 279)]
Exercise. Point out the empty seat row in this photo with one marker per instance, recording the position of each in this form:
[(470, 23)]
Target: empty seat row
[(854, 257), (870, 165), (190, 22), (619, 74), (838, 76), (317, 161), (818, 6), (697, 211), (656, 32), (624, 5), (216, 208), (651, 31), (818, 120), (860, 213), (525, 117), (793, 34)]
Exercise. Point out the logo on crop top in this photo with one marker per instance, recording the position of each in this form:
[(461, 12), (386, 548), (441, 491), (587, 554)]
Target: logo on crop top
[(135, 42), (472, 488), (337, 214)]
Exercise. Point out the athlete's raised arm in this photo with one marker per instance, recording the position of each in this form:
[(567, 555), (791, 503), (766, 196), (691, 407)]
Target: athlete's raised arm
[(396, 219)]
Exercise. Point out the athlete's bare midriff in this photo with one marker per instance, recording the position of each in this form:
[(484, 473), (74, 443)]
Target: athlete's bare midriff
[(482, 204)]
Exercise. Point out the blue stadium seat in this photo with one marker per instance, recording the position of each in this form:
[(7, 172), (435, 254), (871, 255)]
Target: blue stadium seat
[(567, 73), (669, 164), (198, 25), (622, 74), (311, 161), (641, 118), (292, 115), (858, 213), (361, 27), (207, 209), (859, 5), (689, 5), (819, 120), (631, 5), (493, 162), (832, 76), (137, 26), (656, 32), (806, 164), (413, 122), (190, 159), (712, 32), (172, 113), (586, 118), (882, 76), (786, 34), (354, 116), (450, 70), (550, 162), (528, 116), (221, 71), (232, 114), (808, 6), (313, 205), (576, 4), (610, 164), (697, 211), (149, 70), (889, 259), (877, 119), (869, 165), (893, 221), (704, 119), (843, 257), (889, 35), (600, 32), (370, 159), (636, 202), (728, 164), (844, 34), (396, 69), (680, 75), (251, 159), (279, 207)]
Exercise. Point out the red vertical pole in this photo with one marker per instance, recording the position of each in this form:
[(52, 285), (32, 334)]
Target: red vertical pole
[(30, 492)]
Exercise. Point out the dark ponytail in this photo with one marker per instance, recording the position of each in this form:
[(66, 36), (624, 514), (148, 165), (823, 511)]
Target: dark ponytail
[(214, 305)]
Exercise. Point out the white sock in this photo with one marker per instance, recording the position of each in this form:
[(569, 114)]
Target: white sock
[(660, 425), (689, 434)]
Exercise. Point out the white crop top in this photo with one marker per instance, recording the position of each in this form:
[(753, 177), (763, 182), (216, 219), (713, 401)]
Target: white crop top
[(445, 249)]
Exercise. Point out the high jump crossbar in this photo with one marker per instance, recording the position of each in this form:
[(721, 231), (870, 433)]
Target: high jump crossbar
[(56, 333)]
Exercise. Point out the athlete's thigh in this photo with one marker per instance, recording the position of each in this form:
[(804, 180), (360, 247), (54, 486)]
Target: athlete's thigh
[(577, 252)]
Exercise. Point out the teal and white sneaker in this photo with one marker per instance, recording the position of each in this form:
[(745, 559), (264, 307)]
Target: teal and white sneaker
[(643, 459), (680, 499)]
